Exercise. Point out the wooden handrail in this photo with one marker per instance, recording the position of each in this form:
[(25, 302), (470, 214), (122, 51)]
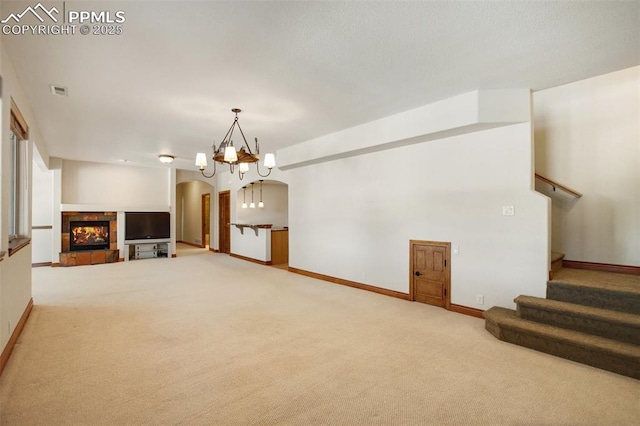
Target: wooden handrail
[(555, 185)]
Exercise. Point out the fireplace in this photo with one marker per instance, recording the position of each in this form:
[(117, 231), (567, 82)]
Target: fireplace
[(89, 238), (88, 235)]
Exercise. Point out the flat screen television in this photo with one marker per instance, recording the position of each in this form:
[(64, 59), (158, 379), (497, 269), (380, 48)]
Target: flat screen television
[(147, 225)]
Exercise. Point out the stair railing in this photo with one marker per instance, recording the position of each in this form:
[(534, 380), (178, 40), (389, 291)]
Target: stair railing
[(555, 185)]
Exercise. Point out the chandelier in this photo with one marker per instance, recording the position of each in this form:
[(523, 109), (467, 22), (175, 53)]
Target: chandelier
[(227, 153)]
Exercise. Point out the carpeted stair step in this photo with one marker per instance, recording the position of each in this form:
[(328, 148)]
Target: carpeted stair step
[(618, 357), (613, 325), (618, 292)]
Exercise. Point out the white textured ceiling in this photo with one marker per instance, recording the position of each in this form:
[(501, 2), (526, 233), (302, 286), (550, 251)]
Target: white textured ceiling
[(298, 70)]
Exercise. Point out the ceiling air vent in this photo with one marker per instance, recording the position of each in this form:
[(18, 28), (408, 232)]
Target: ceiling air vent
[(58, 90)]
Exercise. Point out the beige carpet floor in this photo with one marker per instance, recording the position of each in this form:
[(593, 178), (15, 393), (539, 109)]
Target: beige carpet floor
[(206, 339)]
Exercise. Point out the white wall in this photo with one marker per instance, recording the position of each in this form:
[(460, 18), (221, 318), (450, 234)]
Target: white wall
[(587, 136), (179, 209), (98, 183), (16, 290), (189, 210), (254, 243), (465, 113), (15, 270), (276, 205), (353, 218), (55, 165), (42, 197), (42, 204)]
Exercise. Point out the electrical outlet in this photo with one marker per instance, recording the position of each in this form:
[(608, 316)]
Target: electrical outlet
[(480, 299), (508, 211)]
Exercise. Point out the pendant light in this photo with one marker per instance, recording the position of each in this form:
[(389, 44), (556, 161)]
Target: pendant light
[(252, 205), (244, 197), (261, 204)]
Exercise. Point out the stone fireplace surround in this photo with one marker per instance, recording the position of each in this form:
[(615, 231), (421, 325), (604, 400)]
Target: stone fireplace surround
[(89, 257)]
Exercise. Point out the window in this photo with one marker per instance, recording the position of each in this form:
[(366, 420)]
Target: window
[(19, 176)]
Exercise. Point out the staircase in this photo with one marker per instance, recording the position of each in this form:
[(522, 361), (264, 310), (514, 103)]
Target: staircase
[(590, 317)]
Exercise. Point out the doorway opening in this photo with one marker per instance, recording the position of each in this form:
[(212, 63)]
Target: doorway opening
[(206, 220)]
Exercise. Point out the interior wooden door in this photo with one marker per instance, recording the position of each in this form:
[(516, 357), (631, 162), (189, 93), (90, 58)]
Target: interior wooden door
[(224, 219), (430, 273)]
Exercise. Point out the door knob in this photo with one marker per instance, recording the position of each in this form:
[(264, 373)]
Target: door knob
[(417, 273)]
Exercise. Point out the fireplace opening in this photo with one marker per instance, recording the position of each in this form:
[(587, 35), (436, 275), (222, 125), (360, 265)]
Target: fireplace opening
[(88, 235)]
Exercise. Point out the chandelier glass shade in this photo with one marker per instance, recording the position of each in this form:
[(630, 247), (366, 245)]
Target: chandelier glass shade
[(226, 153)]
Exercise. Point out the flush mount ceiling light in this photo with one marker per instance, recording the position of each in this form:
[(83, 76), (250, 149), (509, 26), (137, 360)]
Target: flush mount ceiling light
[(165, 158), (226, 153)]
